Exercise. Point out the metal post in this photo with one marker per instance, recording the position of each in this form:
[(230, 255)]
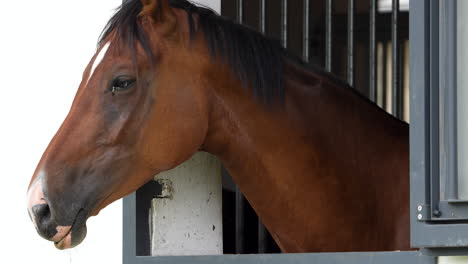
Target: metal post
[(262, 233), (284, 23), (240, 11), (434, 136), (372, 52), (239, 202), (350, 68), (240, 221), (262, 16), (450, 102), (396, 84), (262, 238), (305, 33), (328, 35)]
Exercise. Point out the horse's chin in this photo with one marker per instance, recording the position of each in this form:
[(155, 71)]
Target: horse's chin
[(72, 238)]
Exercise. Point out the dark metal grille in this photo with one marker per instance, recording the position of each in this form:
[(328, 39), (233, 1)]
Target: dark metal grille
[(350, 38)]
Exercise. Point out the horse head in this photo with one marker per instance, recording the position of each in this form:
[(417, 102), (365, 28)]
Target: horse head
[(140, 109)]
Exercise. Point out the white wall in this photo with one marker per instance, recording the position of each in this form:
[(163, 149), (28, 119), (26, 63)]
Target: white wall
[(44, 48)]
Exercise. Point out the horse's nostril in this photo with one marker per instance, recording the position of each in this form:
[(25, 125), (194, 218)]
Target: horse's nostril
[(42, 213), (45, 225)]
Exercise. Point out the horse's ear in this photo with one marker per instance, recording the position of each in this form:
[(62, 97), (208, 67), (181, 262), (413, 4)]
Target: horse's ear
[(161, 12)]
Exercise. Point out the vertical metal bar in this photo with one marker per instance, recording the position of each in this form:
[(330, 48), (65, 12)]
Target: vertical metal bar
[(305, 32), (396, 83), (372, 52), (129, 229), (262, 233), (284, 23), (328, 35), (240, 11), (262, 16), (239, 202), (350, 68), (240, 224), (262, 238), (450, 102), (434, 135)]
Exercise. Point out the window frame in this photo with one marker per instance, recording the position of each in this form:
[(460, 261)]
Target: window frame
[(438, 218)]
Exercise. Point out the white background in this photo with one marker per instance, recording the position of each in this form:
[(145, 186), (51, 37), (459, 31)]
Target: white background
[(44, 48)]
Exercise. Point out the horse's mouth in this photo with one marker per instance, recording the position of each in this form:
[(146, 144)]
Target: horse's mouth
[(65, 241), (75, 234)]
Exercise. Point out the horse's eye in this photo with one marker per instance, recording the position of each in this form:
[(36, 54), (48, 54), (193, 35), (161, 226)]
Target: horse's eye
[(120, 84)]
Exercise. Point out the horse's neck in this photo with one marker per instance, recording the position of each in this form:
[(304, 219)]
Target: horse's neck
[(298, 158)]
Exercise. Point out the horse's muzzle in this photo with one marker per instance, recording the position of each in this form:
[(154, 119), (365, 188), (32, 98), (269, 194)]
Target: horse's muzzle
[(63, 236)]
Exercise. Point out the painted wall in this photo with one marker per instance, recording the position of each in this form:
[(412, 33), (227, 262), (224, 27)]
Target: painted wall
[(44, 48)]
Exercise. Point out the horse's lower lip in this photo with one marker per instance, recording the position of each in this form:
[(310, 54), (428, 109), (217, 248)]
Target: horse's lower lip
[(65, 242), (77, 231)]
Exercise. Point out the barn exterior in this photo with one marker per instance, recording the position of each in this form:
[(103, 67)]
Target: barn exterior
[(368, 44)]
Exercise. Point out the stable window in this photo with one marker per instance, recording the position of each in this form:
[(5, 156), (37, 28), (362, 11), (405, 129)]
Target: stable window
[(439, 203), (370, 49)]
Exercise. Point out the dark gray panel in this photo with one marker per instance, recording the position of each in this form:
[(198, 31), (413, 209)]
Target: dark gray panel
[(324, 258)]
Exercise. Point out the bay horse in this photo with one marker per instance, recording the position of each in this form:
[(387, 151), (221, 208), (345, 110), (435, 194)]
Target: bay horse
[(324, 168)]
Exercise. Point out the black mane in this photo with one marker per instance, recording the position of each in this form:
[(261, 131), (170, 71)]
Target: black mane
[(254, 59)]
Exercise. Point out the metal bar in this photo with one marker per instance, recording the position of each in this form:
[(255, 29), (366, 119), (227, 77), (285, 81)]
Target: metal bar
[(262, 235), (262, 16), (450, 104), (129, 229), (404, 257), (434, 140), (284, 23), (240, 11), (396, 83), (350, 68), (262, 238), (305, 33), (328, 35), (372, 52), (239, 202), (240, 224)]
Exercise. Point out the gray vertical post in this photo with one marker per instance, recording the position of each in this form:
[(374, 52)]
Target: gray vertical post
[(396, 89), (262, 238), (240, 224), (284, 23), (434, 107), (372, 52), (262, 16), (129, 229), (240, 11), (262, 233), (239, 202), (328, 35), (305, 32), (261, 243), (449, 73), (350, 68)]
